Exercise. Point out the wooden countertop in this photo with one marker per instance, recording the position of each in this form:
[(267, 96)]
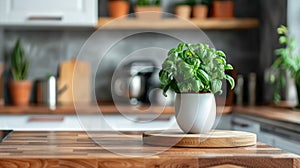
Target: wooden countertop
[(269, 112), (76, 149)]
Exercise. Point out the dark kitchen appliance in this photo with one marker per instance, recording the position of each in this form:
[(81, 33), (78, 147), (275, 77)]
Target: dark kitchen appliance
[(4, 134), (133, 82)]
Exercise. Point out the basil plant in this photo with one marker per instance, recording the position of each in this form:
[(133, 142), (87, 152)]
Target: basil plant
[(194, 68)]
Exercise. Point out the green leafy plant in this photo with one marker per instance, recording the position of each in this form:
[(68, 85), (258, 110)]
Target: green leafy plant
[(195, 68), (19, 63), (195, 2), (287, 60), (206, 2), (148, 3), (187, 2)]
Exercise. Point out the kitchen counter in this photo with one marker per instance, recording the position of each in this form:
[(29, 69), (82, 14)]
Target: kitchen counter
[(273, 113), (76, 149)]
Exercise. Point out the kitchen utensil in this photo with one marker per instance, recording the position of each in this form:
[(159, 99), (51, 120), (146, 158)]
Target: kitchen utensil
[(46, 91), (239, 90), (131, 82), (252, 89), (75, 75)]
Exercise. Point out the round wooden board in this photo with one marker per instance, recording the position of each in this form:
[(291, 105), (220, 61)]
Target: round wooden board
[(215, 138)]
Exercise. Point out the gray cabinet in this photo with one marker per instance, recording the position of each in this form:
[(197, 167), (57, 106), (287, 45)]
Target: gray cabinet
[(223, 122), (288, 144), (269, 132)]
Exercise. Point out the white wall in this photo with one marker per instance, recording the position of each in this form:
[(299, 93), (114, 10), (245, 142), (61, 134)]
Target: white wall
[(294, 19), (293, 23)]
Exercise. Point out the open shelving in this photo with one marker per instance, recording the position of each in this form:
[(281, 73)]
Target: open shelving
[(173, 23)]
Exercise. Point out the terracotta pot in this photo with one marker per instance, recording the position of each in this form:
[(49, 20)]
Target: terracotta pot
[(183, 11), (223, 9), (148, 12), (195, 113), (200, 11), (118, 8), (20, 92)]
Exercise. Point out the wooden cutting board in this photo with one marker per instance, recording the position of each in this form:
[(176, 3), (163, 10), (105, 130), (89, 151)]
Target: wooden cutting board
[(215, 138), (74, 76)]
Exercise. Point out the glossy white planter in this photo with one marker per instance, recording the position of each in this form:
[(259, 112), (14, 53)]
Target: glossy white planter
[(195, 113)]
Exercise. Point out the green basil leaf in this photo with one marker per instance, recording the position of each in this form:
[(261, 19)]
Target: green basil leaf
[(188, 74), (164, 77), (216, 85), (230, 80), (203, 76), (165, 89), (221, 54), (167, 64), (172, 51), (228, 67), (221, 60)]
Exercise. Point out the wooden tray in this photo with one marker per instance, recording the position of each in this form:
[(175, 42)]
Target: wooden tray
[(215, 138)]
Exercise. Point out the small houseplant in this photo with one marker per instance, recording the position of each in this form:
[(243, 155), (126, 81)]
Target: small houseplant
[(195, 72), (152, 6), (200, 9), (20, 88), (118, 8), (184, 9), (287, 61)]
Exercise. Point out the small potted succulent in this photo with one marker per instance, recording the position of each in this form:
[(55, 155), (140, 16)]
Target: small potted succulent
[(287, 61), (20, 88), (152, 6), (195, 72)]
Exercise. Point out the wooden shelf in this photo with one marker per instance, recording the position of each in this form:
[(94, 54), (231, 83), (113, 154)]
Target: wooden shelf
[(85, 109), (210, 23), (94, 109)]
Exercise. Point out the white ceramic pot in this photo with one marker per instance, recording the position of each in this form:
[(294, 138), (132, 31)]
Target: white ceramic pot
[(195, 112)]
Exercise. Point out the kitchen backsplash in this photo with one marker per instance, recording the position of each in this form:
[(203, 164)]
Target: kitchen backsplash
[(47, 48)]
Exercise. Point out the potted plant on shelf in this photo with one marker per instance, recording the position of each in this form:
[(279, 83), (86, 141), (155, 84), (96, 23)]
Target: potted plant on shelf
[(287, 61), (195, 72), (20, 88), (152, 6), (118, 8), (200, 9), (223, 8), (184, 9)]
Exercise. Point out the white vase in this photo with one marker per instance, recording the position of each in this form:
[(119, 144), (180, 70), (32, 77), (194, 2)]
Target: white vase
[(195, 112)]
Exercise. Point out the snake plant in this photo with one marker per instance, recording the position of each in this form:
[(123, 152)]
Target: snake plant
[(19, 62)]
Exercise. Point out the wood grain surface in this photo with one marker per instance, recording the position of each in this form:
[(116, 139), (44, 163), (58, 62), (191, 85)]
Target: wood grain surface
[(215, 138), (76, 149), (211, 23), (279, 114)]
